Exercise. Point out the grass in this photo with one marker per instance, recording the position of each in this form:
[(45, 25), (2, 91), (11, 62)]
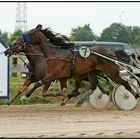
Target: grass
[(36, 98), (17, 82)]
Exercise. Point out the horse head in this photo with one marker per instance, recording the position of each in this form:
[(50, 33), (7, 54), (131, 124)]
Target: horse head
[(14, 49), (34, 36)]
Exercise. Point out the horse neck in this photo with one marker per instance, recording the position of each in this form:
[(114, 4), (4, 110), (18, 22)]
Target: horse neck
[(47, 48), (34, 56), (50, 50), (42, 43)]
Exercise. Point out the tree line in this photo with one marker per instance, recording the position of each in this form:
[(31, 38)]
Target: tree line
[(116, 32)]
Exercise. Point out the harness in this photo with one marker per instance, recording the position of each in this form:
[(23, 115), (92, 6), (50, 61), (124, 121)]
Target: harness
[(75, 51)]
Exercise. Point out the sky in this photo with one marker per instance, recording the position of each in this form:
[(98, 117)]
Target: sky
[(62, 17)]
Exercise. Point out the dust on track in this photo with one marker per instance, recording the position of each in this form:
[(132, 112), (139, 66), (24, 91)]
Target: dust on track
[(43, 121)]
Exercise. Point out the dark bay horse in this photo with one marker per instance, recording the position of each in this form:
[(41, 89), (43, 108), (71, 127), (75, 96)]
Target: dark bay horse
[(59, 65), (36, 36)]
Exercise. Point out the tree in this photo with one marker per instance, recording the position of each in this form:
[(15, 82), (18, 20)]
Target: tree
[(4, 37), (14, 36), (116, 32), (121, 33), (133, 35), (82, 33)]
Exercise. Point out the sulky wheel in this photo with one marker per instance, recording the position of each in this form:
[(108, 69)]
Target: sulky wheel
[(123, 99), (113, 99), (99, 100)]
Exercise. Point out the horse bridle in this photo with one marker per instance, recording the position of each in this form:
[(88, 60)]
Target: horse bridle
[(28, 38)]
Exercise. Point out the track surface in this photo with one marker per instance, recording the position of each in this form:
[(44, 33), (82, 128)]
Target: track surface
[(42, 121)]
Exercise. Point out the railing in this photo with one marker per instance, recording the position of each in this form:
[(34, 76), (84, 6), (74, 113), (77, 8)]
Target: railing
[(19, 67)]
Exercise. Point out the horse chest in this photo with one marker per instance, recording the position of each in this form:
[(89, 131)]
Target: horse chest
[(40, 69)]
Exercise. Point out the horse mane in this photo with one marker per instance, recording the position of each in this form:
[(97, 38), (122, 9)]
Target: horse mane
[(56, 38)]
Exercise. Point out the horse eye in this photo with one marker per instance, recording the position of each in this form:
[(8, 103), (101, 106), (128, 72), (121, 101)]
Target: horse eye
[(24, 44)]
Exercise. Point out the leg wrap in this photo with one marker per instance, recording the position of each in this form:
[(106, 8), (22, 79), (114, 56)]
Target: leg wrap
[(38, 84)]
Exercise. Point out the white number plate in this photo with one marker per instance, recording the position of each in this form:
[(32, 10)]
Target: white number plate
[(84, 51)]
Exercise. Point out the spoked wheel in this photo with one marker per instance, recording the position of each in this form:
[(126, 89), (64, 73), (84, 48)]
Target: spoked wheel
[(99, 100), (123, 99)]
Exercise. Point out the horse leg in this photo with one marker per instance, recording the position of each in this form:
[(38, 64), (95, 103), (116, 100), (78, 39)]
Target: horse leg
[(78, 80), (64, 92), (92, 76), (45, 89), (115, 77), (101, 88), (22, 89), (63, 84), (75, 92), (38, 84)]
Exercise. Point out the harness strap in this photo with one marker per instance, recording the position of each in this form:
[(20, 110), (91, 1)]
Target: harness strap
[(74, 50), (37, 54), (73, 60), (73, 69), (57, 58)]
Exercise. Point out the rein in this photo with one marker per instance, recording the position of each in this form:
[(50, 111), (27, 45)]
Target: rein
[(32, 54), (52, 58), (57, 58), (24, 62)]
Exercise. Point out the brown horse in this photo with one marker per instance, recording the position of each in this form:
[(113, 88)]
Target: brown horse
[(62, 61), (30, 77), (36, 36)]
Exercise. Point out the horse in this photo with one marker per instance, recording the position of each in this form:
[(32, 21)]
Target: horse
[(63, 82), (93, 65), (58, 41)]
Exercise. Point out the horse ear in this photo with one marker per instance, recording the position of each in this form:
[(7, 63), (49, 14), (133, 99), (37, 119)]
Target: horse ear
[(39, 27)]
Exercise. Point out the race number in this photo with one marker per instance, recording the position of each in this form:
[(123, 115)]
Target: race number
[(84, 51)]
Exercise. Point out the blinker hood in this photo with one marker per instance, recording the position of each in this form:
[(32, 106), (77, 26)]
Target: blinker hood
[(26, 38)]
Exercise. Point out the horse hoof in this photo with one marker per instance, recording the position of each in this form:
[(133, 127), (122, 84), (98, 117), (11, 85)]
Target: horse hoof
[(8, 102), (62, 104), (23, 98), (44, 94)]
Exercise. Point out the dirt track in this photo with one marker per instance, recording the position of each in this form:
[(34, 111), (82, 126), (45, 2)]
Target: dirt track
[(42, 121)]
